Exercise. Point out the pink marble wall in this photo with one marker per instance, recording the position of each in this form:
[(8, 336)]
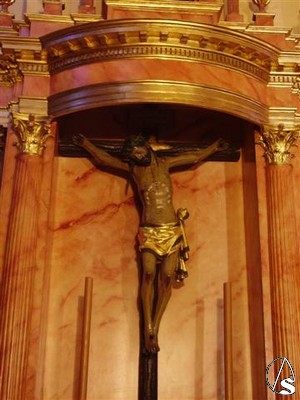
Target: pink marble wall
[(165, 70), (182, 15), (9, 163), (92, 233)]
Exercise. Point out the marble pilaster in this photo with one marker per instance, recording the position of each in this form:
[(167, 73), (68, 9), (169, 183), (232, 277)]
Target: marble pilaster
[(19, 267), (283, 243)]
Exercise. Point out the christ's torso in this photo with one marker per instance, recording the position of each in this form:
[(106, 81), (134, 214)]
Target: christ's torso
[(155, 190)]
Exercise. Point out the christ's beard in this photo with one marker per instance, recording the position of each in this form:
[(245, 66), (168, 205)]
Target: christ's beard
[(145, 161)]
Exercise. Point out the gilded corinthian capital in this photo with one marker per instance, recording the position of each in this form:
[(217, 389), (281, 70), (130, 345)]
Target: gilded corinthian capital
[(277, 142), (32, 134)]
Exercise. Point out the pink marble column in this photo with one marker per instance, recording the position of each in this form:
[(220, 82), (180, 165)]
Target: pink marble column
[(17, 284), (283, 244)]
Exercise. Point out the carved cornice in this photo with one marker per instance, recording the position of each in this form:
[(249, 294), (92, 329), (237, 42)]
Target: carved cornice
[(277, 142), (32, 133), (10, 72), (49, 18), (162, 39), (27, 53), (287, 72)]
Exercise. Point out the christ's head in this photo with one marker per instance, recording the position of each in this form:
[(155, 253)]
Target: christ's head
[(136, 150)]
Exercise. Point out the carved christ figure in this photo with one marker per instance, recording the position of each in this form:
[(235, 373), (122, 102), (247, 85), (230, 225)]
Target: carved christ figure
[(161, 235)]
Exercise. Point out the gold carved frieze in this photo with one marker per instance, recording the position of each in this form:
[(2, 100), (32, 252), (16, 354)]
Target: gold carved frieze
[(10, 72), (161, 39), (277, 142), (32, 133), (34, 67), (284, 79)]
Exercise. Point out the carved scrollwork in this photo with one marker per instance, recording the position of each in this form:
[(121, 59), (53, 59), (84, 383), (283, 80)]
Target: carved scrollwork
[(32, 134), (9, 70), (277, 143)]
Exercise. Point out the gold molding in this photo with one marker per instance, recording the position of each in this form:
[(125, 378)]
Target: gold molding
[(161, 39), (21, 43), (268, 29), (169, 6), (49, 18), (287, 116), (32, 133), (235, 26), (172, 92), (32, 105), (9, 30), (277, 142), (80, 18)]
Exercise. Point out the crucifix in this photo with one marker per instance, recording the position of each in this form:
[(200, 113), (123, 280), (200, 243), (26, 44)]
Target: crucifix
[(161, 237)]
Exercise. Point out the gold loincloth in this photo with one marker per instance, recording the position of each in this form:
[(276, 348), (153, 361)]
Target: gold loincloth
[(164, 240)]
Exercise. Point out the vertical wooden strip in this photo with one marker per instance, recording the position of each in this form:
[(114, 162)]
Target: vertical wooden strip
[(228, 341), (85, 340)]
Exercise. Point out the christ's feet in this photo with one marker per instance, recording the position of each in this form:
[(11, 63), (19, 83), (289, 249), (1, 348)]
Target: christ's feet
[(151, 342)]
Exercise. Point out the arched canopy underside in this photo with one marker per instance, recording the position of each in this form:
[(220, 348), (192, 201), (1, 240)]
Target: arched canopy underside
[(169, 92)]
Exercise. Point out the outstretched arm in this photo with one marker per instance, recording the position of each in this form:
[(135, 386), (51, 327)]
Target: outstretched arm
[(193, 157), (101, 156)]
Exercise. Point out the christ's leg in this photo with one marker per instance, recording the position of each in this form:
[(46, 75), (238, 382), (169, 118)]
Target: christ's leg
[(147, 292), (165, 287)]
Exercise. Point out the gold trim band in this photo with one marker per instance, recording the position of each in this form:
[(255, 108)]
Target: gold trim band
[(172, 92)]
